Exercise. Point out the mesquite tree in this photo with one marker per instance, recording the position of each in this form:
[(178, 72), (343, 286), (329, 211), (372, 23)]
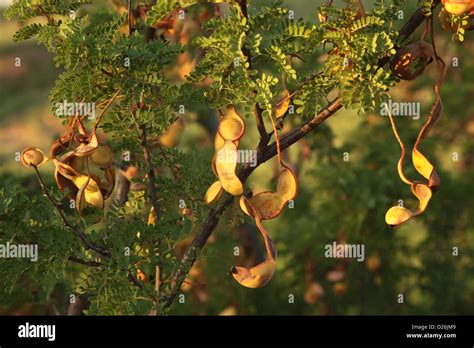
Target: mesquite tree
[(126, 214)]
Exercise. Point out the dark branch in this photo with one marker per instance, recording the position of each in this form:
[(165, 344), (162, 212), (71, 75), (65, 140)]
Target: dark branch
[(84, 262), (151, 172)]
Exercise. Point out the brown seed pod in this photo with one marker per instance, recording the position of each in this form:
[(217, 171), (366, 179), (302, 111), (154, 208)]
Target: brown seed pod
[(271, 204), (213, 193), (422, 191), (231, 126), (258, 275), (410, 61), (32, 156), (226, 164), (72, 166)]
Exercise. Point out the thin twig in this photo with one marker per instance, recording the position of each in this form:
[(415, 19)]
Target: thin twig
[(79, 233), (154, 199), (151, 171)]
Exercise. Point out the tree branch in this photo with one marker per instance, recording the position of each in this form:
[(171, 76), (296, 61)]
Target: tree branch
[(269, 151), (151, 171), (84, 262)]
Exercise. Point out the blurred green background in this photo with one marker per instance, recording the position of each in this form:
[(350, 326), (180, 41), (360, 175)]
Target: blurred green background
[(338, 200)]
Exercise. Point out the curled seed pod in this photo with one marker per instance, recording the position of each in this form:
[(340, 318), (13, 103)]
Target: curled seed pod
[(410, 61), (88, 146), (254, 277), (421, 163), (268, 204), (423, 193), (33, 157), (260, 274), (458, 7), (226, 164), (213, 193), (231, 126), (425, 168), (397, 215), (271, 204)]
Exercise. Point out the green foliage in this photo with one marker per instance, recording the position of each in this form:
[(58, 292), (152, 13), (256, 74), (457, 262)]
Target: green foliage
[(242, 60)]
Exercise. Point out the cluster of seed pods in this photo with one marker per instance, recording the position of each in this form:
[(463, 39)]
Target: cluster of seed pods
[(83, 165), (262, 206)]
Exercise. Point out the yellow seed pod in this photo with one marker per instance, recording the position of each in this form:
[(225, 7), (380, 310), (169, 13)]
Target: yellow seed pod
[(66, 170), (423, 193), (231, 126), (226, 164), (425, 168), (268, 204), (218, 142), (259, 275), (397, 215), (213, 193), (282, 104), (102, 156), (256, 276), (458, 7), (89, 188), (287, 186), (32, 156)]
